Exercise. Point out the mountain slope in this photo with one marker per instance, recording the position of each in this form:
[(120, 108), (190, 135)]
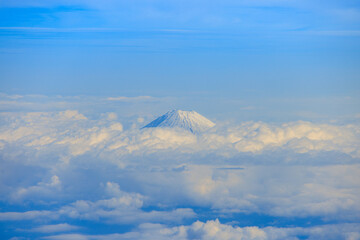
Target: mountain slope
[(189, 120)]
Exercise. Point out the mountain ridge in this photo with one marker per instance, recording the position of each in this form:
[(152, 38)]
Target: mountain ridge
[(189, 120)]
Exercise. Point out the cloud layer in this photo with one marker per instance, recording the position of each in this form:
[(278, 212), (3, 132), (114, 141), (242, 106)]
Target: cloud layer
[(67, 168), (215, 230), (72, 131)]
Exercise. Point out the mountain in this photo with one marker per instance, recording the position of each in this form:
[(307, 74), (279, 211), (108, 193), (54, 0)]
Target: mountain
[(189, 120)]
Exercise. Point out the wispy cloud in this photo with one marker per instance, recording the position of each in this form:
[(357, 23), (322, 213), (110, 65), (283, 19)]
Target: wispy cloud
[(69, 30), (62, 227), (132, 99), (12, 97), (350, 33)]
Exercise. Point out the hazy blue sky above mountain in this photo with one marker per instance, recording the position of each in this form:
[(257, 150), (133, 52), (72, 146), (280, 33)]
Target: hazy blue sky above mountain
[(227, 48)]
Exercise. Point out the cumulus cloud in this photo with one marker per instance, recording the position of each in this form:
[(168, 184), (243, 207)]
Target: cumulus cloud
[(123, 208), (114, 210), (215, 230), (39, 191), (280, 191), (304, 192), (328, 192), (66, 166), (79, 135)]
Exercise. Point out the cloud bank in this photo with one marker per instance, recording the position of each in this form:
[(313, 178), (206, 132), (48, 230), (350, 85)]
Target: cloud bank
[(215, 230), (66, 170)]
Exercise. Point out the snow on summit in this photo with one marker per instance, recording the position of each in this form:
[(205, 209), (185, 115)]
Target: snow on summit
[(189, 120)]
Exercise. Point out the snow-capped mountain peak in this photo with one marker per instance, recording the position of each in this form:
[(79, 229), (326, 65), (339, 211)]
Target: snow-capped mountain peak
[(189, 120)]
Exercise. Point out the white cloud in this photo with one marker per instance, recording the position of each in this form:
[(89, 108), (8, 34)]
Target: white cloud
[(130, 99), (125, 209), (79, 135), (328, 192), (29, 215), (62, 227), (73, 165), (113, 210), (43, 190), (215, 230), (13, 97), (111, 116), (278, 190), (121, 208)]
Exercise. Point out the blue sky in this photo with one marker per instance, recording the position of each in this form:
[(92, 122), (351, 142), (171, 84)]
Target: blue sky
[(279, 78), (269, 48)]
